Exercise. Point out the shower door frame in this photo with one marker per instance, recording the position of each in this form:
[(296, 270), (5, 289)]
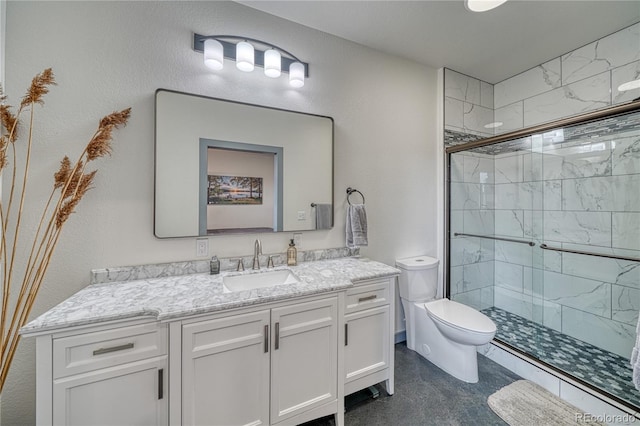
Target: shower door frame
[(626, 108)]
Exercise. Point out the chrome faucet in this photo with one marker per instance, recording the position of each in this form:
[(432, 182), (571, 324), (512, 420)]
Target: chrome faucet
[(257, 250)]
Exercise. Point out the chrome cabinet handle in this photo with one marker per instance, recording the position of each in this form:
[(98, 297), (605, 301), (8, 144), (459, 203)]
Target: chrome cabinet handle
[(161, 383), (266, 338), (103, 351), (364, 299), (276, 344), (346, 334)]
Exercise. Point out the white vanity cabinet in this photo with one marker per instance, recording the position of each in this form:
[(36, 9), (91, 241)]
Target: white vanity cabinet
[(280, 359), (368, 335), (103, 375), (261, 367)]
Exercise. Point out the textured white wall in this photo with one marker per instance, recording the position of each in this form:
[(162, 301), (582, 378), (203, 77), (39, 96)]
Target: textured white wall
[(111, 55)]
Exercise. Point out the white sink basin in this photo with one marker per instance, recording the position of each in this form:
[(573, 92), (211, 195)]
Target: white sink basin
[(258, 280)]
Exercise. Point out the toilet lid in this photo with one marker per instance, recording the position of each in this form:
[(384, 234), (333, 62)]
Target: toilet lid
[(460, 316), (417, 263)]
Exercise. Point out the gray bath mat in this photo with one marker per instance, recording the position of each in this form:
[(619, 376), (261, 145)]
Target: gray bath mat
[(524, 403)]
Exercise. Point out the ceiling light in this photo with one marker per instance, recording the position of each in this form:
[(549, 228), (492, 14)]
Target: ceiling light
[(629, 85), (249, 53), (493, 125), (482, 5)]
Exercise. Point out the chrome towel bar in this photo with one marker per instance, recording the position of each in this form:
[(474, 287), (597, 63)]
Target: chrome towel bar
[(609, 256), (531, 243)]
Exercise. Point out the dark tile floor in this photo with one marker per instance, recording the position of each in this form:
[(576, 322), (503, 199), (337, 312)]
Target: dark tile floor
[(426, 395)]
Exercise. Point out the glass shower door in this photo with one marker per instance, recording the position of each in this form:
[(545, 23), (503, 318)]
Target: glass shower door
[(491, 241), (518, 205), (590, 238), (544, 238)]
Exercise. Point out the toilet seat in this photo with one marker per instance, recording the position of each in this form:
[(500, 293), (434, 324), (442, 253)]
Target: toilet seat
[(460, 316)]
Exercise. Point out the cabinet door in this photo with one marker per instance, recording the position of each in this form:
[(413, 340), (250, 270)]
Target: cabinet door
[(127, 394), (225, 371), (304, 357), (366, 348)]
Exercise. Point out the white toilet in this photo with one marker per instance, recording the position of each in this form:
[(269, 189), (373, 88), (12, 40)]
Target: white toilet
[(441, 330)]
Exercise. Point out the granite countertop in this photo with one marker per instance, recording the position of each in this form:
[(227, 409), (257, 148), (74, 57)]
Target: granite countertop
[(172, 298)]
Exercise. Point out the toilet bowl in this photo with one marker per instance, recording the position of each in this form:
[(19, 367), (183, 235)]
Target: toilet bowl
[(461, 323), (441, 330)]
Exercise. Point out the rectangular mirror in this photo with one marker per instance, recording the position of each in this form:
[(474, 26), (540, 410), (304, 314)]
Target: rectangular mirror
[(228, 167)]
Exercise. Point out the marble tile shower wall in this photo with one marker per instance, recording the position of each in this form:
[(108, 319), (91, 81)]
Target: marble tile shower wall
[(468, 104), (582, 80)]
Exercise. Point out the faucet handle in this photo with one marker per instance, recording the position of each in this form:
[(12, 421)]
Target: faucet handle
[(240, 265), (270, 262)]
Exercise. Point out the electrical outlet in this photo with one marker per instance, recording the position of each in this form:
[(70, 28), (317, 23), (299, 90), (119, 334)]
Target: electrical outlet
[(302, 215), (202, 247), (297, 239)]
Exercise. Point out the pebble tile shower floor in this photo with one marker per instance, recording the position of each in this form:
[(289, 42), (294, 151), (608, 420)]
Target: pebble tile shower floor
[(589, 363)]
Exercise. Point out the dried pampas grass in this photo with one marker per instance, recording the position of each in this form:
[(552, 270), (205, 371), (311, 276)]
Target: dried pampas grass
[(70, 183)]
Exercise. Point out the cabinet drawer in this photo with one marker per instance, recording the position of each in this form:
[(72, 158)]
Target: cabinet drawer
[(367, 296), (100, 349)]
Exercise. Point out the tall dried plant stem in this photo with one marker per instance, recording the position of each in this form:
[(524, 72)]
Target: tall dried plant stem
[(70, 184), (4, 218), (21, 205)]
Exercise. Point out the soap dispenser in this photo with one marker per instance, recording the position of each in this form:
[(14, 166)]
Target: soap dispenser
[(292, 254)]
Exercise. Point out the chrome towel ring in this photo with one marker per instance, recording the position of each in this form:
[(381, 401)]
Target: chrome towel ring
[(351, 191)]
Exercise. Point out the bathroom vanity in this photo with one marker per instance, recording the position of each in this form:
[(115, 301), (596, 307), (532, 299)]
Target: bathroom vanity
[(187, 350)]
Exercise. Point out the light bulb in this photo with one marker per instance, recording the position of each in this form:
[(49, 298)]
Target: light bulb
[(244, 56), (272, 61), (296, 74), (213, 54)]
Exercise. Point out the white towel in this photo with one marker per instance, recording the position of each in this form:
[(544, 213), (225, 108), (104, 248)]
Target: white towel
[(324, 216), (356, 226), (635, 358)]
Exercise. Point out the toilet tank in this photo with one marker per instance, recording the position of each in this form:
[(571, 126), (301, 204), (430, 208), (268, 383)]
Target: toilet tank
[(418, 281)]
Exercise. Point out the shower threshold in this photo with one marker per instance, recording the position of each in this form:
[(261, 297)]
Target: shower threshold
[(608, 372)]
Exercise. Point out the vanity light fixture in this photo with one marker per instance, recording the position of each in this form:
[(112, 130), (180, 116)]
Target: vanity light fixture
[(482, 5), (272, 58)]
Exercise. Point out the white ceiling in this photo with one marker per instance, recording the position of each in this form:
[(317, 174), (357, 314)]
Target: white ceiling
[(491, 46)]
